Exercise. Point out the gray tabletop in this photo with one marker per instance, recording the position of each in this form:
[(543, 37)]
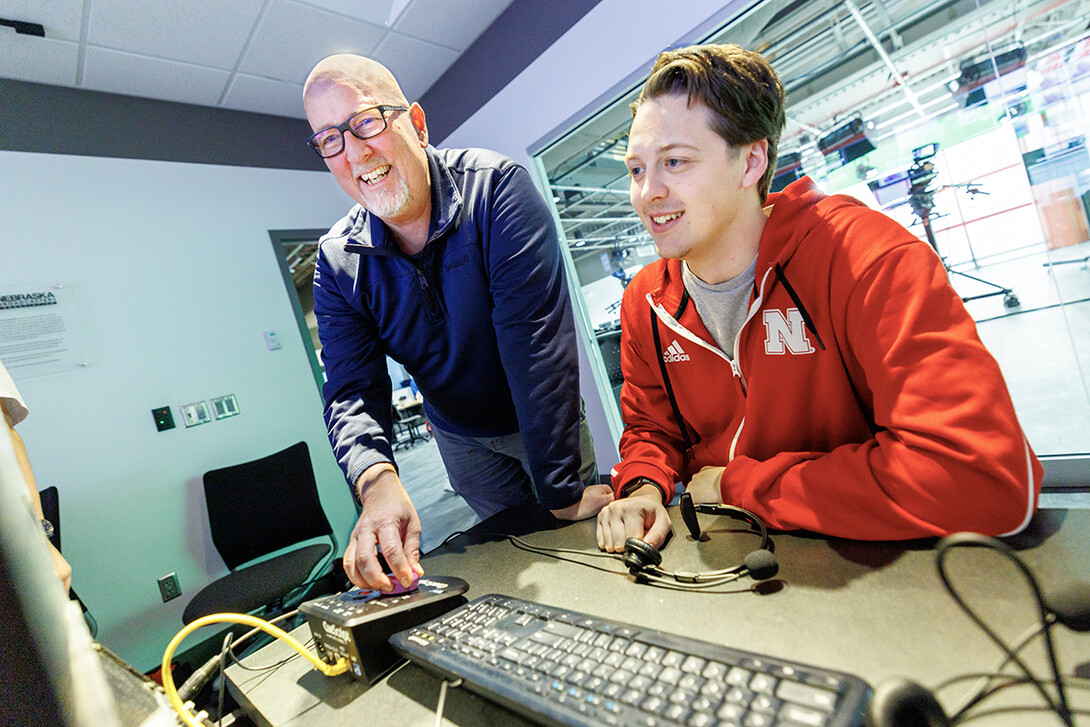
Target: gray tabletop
[(876, 610)]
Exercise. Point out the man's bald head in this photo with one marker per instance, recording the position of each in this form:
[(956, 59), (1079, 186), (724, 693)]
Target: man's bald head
[(356, 72)]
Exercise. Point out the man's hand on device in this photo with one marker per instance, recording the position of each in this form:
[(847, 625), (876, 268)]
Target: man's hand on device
[(388, 523)]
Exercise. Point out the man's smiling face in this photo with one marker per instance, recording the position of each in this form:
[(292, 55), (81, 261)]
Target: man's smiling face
[(387, 174), (686, 179)]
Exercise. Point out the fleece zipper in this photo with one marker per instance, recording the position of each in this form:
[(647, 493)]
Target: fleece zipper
[(431, 300)]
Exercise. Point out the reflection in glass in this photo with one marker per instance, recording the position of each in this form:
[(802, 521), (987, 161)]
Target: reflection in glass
[(1000, 89)]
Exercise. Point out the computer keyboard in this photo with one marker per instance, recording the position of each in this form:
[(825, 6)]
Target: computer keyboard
[(560, 667)]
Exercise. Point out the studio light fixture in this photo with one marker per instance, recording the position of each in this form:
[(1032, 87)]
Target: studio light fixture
[(788, 169), (24, 28), (848, 140)]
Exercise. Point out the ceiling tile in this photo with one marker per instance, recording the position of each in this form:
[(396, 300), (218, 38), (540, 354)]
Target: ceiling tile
[(265, 96), (62, 19), (280, 50), (38, 60), (377, 12), (451, 23), (415, 63), (208, 33), (133, 75)]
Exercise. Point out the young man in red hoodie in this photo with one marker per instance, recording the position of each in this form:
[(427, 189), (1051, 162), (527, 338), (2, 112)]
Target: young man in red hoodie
[(795, 354)]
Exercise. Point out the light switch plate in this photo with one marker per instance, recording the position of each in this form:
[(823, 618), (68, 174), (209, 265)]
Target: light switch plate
[(195, 413), (225, 406)]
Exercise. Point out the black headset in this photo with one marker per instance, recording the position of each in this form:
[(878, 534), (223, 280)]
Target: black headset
[(904, 703), (643, 559)]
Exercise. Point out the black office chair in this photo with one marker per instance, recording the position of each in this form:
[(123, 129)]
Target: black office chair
[(610, 346), (407, 428), (254, 509)]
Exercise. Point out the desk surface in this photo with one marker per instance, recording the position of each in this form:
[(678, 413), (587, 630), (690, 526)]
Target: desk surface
[(877, 610)]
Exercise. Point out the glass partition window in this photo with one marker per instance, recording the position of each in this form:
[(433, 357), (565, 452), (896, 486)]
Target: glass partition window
[(966, 121)]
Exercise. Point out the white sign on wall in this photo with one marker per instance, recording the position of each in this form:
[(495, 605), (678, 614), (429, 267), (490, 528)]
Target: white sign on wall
[(36, 335)]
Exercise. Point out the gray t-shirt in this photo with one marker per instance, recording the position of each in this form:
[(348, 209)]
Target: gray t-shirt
[(723, 306)]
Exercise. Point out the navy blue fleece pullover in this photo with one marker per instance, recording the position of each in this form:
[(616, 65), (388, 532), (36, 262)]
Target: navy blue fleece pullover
[(480, 318)]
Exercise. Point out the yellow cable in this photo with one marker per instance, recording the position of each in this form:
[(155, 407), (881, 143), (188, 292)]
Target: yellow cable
[(340, 667)]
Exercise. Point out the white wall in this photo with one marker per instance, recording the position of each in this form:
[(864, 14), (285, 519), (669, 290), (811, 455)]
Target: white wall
[(610, 43), (173, 280)]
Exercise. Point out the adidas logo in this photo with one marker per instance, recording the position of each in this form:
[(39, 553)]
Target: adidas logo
[(674, 354)]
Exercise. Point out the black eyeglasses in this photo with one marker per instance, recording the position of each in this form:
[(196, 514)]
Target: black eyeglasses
[(364, 125)]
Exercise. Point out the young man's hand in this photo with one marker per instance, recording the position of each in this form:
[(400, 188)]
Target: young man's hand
[(640, 515)]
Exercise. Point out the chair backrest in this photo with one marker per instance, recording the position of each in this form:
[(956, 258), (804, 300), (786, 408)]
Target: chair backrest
[(51, 508), (262, 506), (610, 345)]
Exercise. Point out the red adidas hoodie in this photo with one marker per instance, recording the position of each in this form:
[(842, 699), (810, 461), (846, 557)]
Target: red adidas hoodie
[(861, 402)]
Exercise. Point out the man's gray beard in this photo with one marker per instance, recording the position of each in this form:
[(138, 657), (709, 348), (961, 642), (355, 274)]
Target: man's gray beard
[(389, 205)]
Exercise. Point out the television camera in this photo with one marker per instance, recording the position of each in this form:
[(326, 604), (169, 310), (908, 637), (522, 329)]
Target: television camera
[(921, 195)]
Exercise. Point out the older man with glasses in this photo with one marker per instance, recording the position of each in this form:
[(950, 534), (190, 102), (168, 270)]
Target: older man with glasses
[(449, 263)]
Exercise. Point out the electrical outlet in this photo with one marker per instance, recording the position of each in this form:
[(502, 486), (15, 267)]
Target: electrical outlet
[(169, 588)]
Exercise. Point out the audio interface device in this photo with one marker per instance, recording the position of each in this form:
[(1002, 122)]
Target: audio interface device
[(357, 623)]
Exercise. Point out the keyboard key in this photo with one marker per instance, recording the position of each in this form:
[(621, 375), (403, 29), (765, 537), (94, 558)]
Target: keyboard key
[(803, 716), (693, 665), (807, 695), (672, 659)]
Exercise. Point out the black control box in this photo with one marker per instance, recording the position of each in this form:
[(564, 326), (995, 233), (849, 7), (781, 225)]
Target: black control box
[(356, 624)]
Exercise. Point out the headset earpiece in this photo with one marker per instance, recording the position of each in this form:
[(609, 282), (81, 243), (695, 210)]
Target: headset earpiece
[(1071, 607), (904, 703), (640, 555)]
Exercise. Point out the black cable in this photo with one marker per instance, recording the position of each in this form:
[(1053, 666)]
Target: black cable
[(275, 665), (1018, 681), (92, 624), (976, 540), (200, 677), (324, 571), (1010, 681), (985, 679), (688, 587), (446, 540), (554, 553), (1013, 709)]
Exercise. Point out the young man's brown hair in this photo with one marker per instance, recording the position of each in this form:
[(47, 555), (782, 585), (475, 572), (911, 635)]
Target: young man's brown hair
[(738, 86)]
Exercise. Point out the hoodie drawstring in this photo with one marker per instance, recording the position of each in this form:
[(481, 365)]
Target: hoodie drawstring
[(806, 319)]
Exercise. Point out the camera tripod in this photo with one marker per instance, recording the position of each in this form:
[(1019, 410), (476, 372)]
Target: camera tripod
[(923, 201)]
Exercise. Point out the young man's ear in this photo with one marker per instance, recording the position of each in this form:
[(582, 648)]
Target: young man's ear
[(416, 115), (756, 156)]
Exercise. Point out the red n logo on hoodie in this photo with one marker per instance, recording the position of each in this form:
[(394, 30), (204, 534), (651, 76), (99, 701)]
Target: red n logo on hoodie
[(785, 334)]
